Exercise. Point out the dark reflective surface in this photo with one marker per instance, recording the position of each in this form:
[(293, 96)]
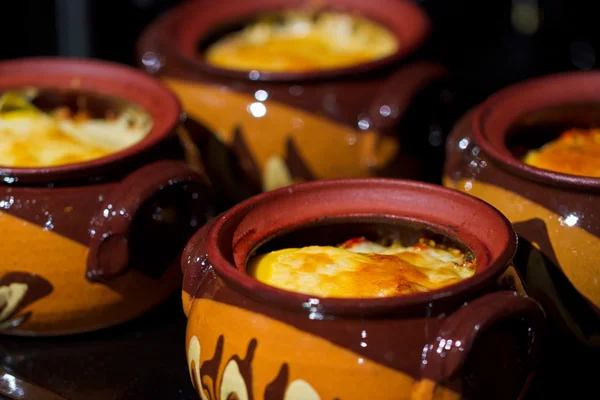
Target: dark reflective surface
[(143, 359)]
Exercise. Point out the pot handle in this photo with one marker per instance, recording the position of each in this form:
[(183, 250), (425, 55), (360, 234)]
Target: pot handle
[(456, 337), (397, 92), (108, 254)]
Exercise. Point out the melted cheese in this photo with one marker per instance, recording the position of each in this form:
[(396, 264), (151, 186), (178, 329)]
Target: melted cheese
[(359, 268), (32, 138), (575, 152), (303, 41)]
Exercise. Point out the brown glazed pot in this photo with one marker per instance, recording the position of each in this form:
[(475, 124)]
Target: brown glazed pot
[(97, 243), (342, 123), (557, 216), (475, 339)]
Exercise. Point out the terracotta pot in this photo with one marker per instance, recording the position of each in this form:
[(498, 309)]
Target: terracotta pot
[(477, 338), (97, 243), (557, 216), (374, 119)]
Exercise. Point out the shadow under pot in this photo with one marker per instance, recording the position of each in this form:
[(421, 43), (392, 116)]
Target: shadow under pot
[(477, 336), (532, 151), (96, 200), (265, 125)]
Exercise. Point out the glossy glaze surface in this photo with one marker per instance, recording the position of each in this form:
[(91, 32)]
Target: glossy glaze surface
[(423, 345), (555, 215), (94, 244), (362, 268), (110, 363), (274, 129)]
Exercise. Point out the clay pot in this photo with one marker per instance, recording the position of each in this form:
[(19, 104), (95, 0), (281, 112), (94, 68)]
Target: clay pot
[(476, 339), (557, 216), (96, 243), (376, 119)]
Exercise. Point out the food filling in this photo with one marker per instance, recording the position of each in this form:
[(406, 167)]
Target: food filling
[(362, 268), (575, 152), (31, 137), (303, 41)]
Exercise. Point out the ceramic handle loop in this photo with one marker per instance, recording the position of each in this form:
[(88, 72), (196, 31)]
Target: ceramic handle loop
[(109, 247), (460, 331)]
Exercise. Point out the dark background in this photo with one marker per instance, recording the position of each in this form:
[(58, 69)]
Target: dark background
[(486, 44)]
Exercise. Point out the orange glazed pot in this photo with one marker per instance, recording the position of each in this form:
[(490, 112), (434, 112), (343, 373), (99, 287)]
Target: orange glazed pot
[(556, 215), (255, 126), (96, 243), (478, 338)]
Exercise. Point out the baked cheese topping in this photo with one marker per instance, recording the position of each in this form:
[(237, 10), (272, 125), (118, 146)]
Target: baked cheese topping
[(575, 152), (33, 138), (303, 41), (361, 268)]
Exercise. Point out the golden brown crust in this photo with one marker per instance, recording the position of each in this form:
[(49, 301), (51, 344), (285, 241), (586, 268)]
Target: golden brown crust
[(575, 152), (360, 268), (35, 138), (303, 41)]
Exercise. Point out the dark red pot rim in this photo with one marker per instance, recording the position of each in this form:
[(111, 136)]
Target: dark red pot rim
[(494, 117), (473, 222), (104, 78), (197, 20)]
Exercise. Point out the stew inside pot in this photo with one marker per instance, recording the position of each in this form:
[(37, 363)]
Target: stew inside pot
[(46, 128), (300, 40), (564, 139), (379, 263)]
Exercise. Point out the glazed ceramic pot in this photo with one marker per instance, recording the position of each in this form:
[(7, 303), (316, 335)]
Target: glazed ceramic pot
[(247, 340), (376, 119), (96, 243), (557, 216)]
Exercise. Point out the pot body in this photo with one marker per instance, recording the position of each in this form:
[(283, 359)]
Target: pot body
[(85, 255), (259, 134), (476, 339), (237, 345)]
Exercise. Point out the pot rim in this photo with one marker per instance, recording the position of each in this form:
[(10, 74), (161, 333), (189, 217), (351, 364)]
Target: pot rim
[(408, 20), (493, 118), (105, 79), (240, 280)]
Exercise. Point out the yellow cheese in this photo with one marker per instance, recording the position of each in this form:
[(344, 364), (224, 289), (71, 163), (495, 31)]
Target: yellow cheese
[(575, 152), (303, 41), (32, 138), (362, 269)]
